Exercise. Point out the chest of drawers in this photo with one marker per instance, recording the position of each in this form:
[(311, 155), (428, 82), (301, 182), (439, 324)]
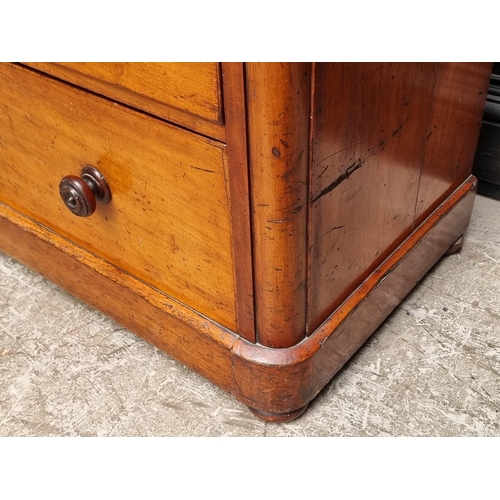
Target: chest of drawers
[(262, 219)]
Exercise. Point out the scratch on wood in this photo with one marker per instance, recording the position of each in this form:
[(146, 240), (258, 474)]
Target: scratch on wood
[(354, 166), (324, 170), (349, 171), (400, 127), (397, 130), (299, 159), (333, 229), (203, 169), (343, 149)]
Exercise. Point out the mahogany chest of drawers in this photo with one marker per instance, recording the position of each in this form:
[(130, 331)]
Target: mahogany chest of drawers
[(256, 221)]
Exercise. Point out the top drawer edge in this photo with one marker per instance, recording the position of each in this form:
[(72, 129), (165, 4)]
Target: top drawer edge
[(186, 94)]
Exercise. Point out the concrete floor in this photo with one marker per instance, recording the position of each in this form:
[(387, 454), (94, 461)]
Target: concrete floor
[(432, 369)]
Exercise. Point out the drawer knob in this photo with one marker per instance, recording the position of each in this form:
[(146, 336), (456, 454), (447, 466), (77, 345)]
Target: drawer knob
[(81, 194)]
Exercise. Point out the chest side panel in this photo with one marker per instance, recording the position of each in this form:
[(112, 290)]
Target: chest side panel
[(369, 123), (460, 91)]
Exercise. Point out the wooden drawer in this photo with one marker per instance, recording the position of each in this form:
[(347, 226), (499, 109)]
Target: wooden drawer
[(185, 93), (168, 221)]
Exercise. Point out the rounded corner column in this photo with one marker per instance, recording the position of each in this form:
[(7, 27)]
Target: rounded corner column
[(278, 103)]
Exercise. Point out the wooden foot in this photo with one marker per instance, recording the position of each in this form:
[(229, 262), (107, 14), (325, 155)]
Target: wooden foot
[(278, 418), (456, 247)]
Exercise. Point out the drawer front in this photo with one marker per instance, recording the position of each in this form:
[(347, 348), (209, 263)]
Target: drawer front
[(168, 221), (179, 92)]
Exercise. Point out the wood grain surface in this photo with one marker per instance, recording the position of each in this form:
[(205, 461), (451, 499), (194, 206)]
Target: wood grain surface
[(386, 142), (168, 222), (290, 378), (239, 195), (185, 93), (460, 91), (278, 97)]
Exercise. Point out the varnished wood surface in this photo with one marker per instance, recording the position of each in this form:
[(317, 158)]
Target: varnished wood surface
[(278, 418), (168, 222), (239, 195), (390, 142), (369, 123), (278, 101), (460, 91), (184, 93), (290, 378)]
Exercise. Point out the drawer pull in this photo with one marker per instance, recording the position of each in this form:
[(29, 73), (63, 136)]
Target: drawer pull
[(81, 194)]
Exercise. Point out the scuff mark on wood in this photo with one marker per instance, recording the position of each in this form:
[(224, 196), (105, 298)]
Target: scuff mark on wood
[(375, 149), (284, 143), (278, 221)]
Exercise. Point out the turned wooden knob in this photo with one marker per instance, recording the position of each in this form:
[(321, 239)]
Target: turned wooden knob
[(81, 194)]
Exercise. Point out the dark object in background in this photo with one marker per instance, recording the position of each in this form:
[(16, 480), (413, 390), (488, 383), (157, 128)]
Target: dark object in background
[(487, 160)]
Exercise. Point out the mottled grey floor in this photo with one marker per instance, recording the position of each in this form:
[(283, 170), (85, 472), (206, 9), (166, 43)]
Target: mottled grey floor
[(432, 369)]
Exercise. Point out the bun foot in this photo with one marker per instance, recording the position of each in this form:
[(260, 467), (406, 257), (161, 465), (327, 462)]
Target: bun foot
[(456, 247), (278, 417)]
